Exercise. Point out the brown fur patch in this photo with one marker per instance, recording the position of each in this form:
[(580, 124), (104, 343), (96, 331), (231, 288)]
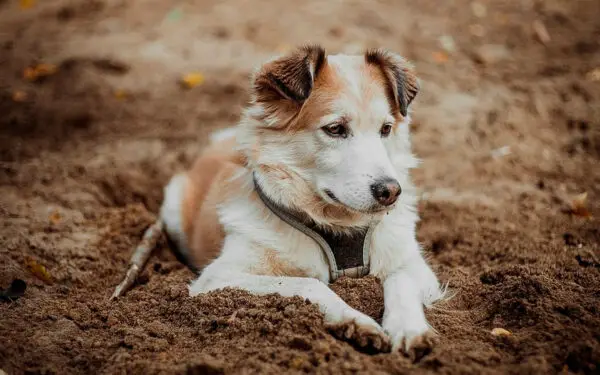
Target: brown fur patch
[(281, 86), (273, 265), (402, 83), (209, 183)]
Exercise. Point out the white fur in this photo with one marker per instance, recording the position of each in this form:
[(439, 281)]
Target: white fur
[(223, 134), (171, 213), (347, 167)]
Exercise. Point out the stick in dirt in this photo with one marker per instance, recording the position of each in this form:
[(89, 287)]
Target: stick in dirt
[(140, 257)]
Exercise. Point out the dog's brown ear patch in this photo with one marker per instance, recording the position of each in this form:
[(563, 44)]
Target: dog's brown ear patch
[(290, 77), (402, 83)]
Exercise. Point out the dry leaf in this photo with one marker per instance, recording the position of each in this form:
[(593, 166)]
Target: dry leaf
[(120, 94), (39, 71), (19, 96), (500, 332), (578, 206), (26, 4), (440, 57), (39, 271), (192, 80), (55, 217)]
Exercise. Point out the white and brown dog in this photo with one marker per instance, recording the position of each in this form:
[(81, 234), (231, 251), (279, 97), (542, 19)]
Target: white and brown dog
[(313, 184)]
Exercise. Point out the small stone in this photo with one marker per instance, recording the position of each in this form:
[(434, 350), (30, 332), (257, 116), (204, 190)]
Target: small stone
[(541, 32), (501, 152), (447, 43), (593, 75), (479, 10), (491, 53)]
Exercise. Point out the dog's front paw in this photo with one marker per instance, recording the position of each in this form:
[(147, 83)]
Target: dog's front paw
[(414, 344), (411, 336), (362, 331)]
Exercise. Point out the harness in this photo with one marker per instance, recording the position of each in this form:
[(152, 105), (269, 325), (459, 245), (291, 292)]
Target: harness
[(346, 253)]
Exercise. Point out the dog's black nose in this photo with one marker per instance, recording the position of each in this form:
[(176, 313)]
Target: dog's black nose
[(386, 191)]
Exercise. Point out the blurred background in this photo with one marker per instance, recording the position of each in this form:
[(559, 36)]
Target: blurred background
[(101, 101)]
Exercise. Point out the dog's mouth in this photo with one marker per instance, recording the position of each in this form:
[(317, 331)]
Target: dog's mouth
[(374, 210), (330, 194)]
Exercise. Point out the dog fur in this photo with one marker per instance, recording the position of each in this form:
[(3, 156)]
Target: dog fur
[(284, 138)]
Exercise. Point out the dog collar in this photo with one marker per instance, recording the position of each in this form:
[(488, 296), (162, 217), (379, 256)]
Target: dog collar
[(347, 253)]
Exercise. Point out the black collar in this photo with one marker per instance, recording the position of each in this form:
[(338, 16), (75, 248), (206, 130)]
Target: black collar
[(347, 253)]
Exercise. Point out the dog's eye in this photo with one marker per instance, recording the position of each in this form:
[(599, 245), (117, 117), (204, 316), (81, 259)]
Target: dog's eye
[(336, 130), (386, 129)]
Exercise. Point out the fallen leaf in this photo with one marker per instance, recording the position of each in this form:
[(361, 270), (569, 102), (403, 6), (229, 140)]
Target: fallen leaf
[(192, 80), (29, 74), (500, 332), (39, 71), (120, 94), (19, 96), (296, 363), (440, 57), (55, 217), (578, 206), (26, 4), (39, 270)]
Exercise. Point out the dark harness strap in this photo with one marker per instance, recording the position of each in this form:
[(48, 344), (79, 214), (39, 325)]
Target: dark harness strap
[(347, 253)]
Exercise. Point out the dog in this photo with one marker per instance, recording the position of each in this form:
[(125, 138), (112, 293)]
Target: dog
[(313, 184)]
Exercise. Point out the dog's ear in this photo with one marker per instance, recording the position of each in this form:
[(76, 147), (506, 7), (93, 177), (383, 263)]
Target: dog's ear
[(289, 78), (402, 83)]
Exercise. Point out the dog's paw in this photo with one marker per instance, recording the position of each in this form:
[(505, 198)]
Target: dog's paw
[(414, 344), (363, 332)]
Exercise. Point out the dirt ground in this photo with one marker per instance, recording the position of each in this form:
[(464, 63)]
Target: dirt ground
[(507, 124)]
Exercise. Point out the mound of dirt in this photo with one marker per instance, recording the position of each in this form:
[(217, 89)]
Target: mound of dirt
[(94, 122)]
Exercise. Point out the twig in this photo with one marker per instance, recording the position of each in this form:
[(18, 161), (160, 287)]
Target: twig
[(140, 257)]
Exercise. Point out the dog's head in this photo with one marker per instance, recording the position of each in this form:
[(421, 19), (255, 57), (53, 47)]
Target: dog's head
[(329, 134)]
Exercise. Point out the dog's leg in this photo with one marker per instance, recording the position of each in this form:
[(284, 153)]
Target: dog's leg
[(406, 290), (344, 321)]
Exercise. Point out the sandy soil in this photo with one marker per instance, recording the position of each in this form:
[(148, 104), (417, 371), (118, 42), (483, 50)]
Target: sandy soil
[(85, 151)]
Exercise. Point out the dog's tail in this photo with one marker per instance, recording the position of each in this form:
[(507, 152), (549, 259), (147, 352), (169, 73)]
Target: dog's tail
[(171, 213)]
